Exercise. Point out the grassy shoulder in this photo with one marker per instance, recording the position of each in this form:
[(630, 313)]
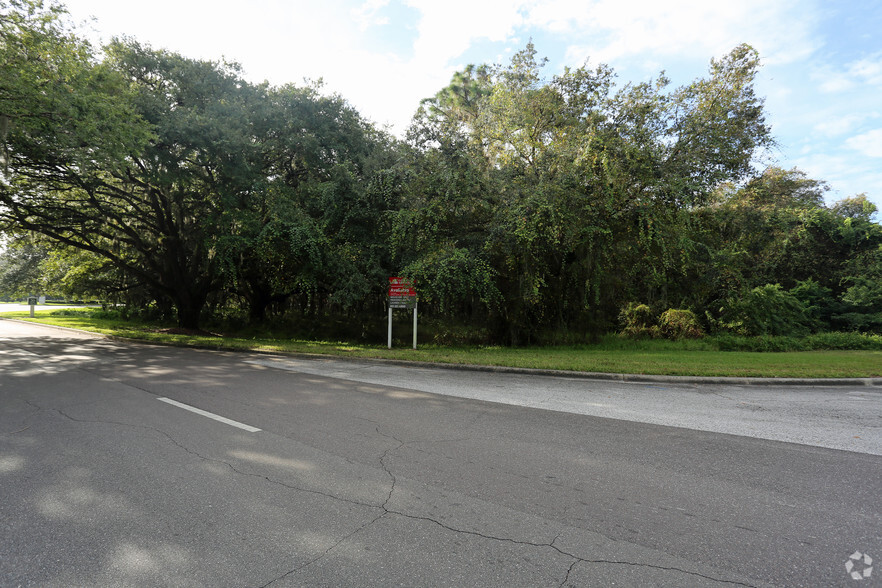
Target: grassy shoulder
[(612, 355)]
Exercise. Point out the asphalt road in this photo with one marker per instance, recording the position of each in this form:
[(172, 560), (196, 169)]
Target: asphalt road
[(372, 476), (14, 307), (836, 417)]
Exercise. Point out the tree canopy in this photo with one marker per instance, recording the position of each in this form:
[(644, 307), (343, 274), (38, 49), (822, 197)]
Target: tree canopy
[(533, 206), (178, 171)]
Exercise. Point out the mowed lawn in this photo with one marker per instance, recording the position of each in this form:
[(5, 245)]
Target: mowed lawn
[(692, 358)]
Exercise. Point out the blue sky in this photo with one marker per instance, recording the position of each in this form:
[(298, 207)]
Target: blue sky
[(822, 72)]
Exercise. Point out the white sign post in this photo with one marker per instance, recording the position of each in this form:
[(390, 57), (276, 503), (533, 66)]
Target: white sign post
[(32, 301)]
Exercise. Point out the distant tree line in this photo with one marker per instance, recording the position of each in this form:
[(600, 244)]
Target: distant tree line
[(532, 208)]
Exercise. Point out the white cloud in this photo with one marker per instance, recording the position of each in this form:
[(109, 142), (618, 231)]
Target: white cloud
[(868, 70), (869, 143), (834, 82), (283, 42), (845, 175), (447, 29), (289, 40), (863, 72), (366, 14), (836, 126), (622, 29)]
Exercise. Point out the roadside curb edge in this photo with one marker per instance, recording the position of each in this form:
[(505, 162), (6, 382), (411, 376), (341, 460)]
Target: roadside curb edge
[(614, 377)]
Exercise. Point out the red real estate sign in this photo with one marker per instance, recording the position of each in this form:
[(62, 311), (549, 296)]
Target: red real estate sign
[(401, 287), (402, 294)]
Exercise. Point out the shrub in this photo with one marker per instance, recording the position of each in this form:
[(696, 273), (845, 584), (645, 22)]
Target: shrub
[(819, 302), (851, 340), (677, 324), (728, 342), (816, 342), (766, 310), (859, 321), (95, 313), (459, 335), (109, 314), (638, 321), (79, 312)]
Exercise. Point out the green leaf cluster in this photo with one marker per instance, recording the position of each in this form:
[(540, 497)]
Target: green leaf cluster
[(531, 206)]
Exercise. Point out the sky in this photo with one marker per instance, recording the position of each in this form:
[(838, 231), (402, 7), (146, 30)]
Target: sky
[(821, 75)]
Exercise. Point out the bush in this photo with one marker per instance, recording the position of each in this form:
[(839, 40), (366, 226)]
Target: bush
[(457, 335), (766, 310), (638, 321), (677, 324), (859, 321), (817, 342), (728, 342), (106, 314), (819, 302), (857, 341), (95, 313), (78, 312)]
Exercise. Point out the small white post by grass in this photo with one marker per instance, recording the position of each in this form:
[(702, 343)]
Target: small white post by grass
[(389, 337), (32, 301)]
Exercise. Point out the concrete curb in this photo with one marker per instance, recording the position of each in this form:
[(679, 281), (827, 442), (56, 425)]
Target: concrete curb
[(611, 377)]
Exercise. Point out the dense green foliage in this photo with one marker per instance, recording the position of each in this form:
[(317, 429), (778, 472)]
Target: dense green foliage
[(527, 208), (191, 182)]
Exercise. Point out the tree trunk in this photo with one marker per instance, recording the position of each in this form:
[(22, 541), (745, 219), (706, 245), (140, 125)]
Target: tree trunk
[(189, 308), (258, 300)]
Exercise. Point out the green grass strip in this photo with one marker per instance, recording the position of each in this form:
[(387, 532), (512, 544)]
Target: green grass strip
[(613, 355)]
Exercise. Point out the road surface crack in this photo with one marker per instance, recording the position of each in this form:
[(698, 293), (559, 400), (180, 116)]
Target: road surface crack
[(389, 511), (25, 424), (386, 468), (654, 567), (384, 507), (577, 559), (325, 552), (219, 461), (569, 571)]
